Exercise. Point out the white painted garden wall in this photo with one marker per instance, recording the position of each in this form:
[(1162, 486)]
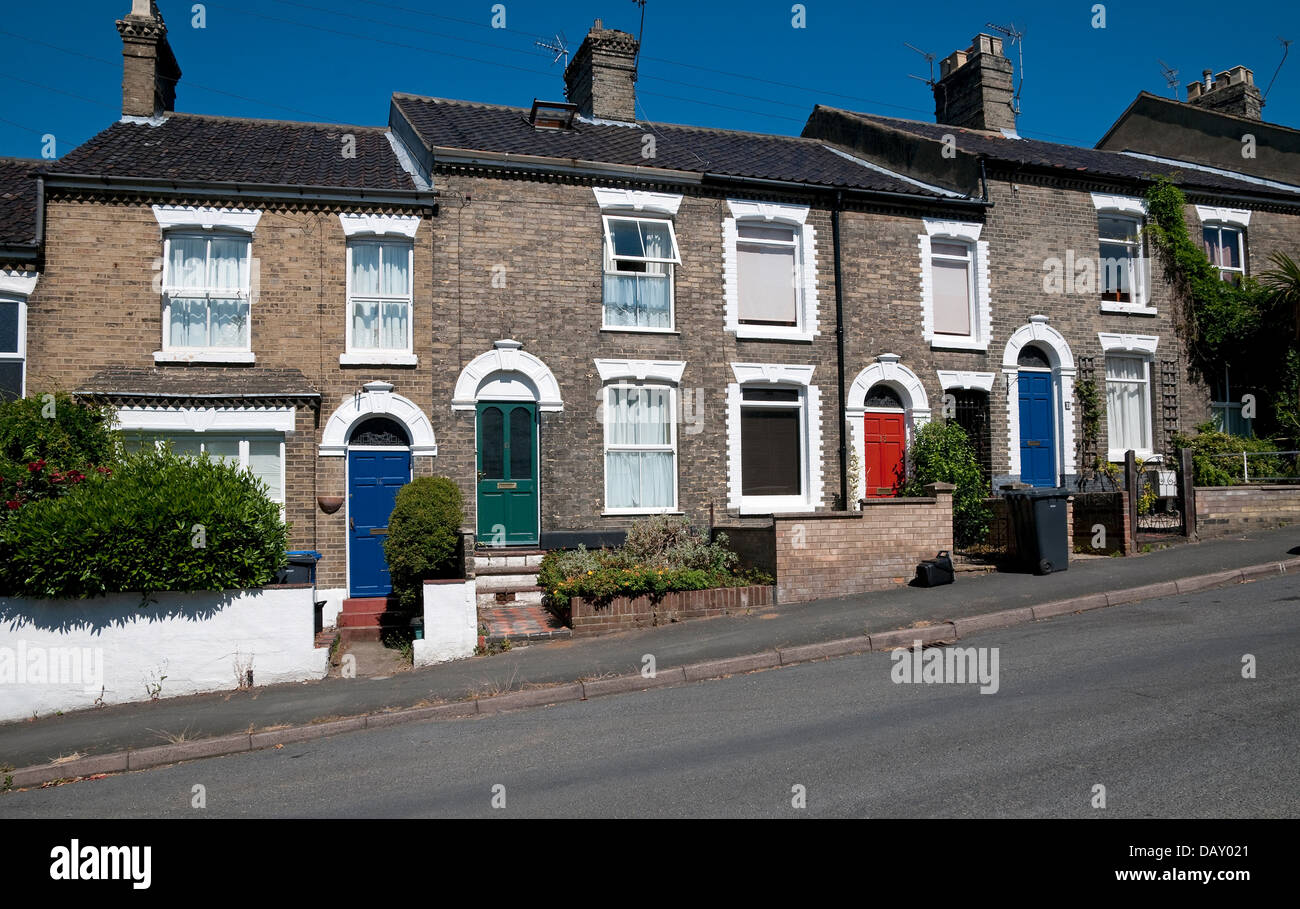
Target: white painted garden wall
[(62, 654), (450, 622)]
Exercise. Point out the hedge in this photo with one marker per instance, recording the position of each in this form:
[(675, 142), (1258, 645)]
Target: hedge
[(423, 533)]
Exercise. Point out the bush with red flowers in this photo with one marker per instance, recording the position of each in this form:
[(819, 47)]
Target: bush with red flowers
[(50, 443)]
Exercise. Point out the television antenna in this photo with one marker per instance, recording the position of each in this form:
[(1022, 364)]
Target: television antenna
[(636, 60), (1286, 47), (1171, 77), (929, 58), (559, 47), (1015, 36)]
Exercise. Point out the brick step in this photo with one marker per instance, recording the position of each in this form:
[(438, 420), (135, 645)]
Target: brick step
[(325, 637), (368, 604), (391, 619)]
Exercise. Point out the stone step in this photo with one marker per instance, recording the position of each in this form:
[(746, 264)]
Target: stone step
[(491, 598), (505, 582), (507, 558)]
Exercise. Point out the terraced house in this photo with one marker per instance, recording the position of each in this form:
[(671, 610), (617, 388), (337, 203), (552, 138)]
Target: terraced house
[(582, 317)]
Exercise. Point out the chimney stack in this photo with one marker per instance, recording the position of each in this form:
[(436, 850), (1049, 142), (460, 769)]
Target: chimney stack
[(149, 69), (601, 77), (974, 88), (1231, 92)]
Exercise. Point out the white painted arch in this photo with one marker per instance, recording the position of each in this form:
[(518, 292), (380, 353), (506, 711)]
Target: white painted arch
[(507, 373), (377, 400), (1061, 360), (887, 370)]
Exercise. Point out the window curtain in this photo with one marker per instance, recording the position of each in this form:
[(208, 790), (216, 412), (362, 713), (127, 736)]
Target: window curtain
[(1127, 405), (264, 464), (639, 479), (767, 284), (228, 265), (951, 297), (641, 300)]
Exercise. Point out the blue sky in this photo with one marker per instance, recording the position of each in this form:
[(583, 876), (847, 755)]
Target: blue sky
[(738, 65)]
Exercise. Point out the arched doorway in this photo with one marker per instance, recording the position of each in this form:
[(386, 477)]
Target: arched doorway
[(884, 442), (507, 389), (379, 465), (1039, 370)]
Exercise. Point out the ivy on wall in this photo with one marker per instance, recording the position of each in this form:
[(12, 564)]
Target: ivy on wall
[(1249, 326)]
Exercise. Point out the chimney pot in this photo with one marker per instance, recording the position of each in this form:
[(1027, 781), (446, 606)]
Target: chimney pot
[(601, 77), (1232, 91), (975, 87)]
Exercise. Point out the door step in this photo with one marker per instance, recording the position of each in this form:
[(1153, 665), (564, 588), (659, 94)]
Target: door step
[(369, 618), (511, 596)]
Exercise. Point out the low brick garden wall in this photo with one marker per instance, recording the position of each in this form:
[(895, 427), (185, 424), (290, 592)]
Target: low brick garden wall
[(840, 553), (1224, 510), (626, 613)]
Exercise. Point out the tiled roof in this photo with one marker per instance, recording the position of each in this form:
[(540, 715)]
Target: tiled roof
[(189, 382), (226, 149), (441, 123), (1066, 158), (18, 201)]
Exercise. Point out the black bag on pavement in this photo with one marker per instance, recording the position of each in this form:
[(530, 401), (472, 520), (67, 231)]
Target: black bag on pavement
[(936, 571)]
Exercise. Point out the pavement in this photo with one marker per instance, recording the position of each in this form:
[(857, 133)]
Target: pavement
[(152, 733), (1149, 702)]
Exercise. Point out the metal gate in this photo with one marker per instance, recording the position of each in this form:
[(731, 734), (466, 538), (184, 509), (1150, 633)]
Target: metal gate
[(972, 414), (1159, 507)]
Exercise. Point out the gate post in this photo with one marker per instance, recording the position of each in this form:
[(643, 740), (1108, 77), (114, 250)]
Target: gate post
[(1131, 498), (1188, 492)]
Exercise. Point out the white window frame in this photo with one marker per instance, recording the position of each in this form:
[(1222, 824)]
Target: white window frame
[(381, 356), (205, 353), (670, 263), (244, 438), (805, 242), (1221, 226), (1133, 209), (20, 354), (771, 375), (607, 412), (981, 320), (1220, 409), (1136, 347)]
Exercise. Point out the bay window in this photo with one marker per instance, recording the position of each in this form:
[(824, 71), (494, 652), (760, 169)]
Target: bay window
[(640, 448), (261, 454), (13, 346), (639, 255)]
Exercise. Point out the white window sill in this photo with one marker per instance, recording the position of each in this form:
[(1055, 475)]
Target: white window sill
[(945, 342), (617, 512), (756, 333), (1116, 455), (203, 356), (640, 331), (775, 505), (378, 358), (1129, 309)]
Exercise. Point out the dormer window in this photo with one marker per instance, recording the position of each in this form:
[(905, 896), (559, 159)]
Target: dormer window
[(552, 114)]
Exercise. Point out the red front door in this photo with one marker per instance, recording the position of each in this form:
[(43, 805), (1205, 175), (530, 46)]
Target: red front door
[(885, 442)]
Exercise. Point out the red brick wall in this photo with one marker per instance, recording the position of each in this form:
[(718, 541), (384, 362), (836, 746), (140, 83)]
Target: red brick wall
[(623, 613)]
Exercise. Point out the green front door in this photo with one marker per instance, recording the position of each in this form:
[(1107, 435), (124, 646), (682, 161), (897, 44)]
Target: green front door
[(507, 473)]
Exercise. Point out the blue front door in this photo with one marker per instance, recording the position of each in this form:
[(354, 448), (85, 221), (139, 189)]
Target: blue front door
[(374, 477), (1037, 429)]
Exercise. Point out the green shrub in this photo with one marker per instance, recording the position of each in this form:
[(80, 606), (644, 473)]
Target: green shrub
[(423, 533), (49, 444), (942, 453), (661, 555), (159, 522), (1227, 471)]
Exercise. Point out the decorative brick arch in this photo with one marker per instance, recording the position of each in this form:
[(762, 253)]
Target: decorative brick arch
[(377, 400), (507, 373)]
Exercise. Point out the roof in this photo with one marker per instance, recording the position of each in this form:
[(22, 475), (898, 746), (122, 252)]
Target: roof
[(198, 382), (445, 124), (995, 146), (192, 148), (18, 201), (1149, 103)]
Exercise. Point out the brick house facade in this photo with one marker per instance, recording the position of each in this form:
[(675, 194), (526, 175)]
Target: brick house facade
[(826, 293)]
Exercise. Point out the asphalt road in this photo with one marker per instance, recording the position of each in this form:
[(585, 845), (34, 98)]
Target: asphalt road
[(1146, 700)]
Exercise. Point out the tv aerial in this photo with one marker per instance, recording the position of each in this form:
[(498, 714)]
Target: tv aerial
[(1016, 37), (929, 58), (559, 47), (1171, 77), (1286, 47)]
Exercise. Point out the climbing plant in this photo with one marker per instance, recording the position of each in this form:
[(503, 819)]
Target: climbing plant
[(1247, 325)]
